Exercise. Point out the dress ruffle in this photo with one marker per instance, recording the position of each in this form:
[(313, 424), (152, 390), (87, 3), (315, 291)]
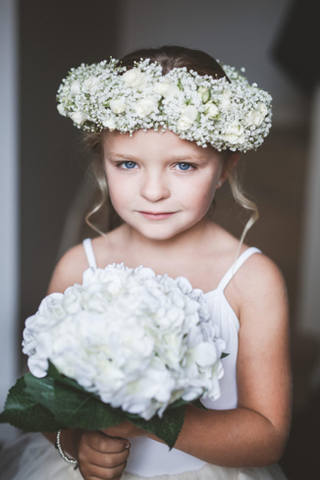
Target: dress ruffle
[(33, 457)]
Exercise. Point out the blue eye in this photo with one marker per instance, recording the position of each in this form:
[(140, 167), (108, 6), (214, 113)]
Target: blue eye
[(128, 165), (184, 166)]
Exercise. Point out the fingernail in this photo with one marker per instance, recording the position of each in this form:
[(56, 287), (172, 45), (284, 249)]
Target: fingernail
[(127, 445)]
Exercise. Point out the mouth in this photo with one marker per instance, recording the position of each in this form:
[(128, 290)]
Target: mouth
[(157, 215)]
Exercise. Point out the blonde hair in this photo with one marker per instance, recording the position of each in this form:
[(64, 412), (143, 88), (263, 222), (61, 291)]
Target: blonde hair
[(94, 143), (241, 198)]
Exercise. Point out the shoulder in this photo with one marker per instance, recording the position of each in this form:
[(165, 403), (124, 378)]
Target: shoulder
[(260, 289), (69, 269), (259, 274)]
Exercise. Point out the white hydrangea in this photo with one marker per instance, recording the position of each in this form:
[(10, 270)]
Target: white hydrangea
[(138, 340), (106, 95)]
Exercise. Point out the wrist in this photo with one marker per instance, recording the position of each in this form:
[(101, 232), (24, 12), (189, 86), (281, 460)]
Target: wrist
[(69, 440), (62, 453)]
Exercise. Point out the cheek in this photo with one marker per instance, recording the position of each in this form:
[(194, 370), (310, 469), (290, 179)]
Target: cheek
[(120, 197), (200, 194), (120, 192)]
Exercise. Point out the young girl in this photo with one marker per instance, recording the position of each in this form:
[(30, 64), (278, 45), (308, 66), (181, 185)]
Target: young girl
[(162, 177)]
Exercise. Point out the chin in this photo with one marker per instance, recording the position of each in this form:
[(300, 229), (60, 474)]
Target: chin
[(161, 236), (161, 232)]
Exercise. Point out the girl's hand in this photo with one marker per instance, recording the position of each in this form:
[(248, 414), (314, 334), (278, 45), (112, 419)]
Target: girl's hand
[(100, 456), (125, 430)]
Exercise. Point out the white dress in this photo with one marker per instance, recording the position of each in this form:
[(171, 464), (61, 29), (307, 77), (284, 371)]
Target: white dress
[(33, 457)]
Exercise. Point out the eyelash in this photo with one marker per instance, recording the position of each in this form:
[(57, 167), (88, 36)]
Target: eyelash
[(119, 165)]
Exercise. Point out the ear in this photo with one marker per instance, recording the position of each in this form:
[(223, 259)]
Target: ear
[(229, 164)]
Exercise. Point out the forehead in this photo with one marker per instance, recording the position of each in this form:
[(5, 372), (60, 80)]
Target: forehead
[(156, 142)]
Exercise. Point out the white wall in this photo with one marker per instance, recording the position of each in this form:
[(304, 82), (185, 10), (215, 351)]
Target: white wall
[(8, 203), (240, 33)]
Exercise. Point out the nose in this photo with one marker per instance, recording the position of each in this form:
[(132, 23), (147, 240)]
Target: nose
[(154, 187)]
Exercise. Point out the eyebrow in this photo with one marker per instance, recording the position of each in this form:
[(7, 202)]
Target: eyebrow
[(174, 157), (111, 154)]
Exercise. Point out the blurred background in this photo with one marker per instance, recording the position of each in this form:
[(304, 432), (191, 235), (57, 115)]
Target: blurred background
[(46, 187)]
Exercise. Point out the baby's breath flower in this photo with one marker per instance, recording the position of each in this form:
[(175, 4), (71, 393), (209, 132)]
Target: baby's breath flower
[(225, 114)]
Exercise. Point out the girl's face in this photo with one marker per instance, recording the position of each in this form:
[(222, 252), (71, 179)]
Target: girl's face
[(158, 183)]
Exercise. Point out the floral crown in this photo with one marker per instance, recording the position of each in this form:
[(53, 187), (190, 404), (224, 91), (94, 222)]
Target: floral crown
[(227, 113)]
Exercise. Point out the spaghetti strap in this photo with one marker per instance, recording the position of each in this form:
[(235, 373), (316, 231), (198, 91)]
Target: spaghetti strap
[(87, 245), (235, 267)]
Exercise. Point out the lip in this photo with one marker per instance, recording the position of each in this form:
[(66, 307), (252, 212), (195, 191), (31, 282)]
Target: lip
[(157, 216)]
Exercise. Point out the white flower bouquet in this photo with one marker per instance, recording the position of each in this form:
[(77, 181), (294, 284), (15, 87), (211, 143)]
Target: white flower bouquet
[(124, 345)]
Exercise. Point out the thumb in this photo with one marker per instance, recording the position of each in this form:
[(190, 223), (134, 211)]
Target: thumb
[(119, 443)]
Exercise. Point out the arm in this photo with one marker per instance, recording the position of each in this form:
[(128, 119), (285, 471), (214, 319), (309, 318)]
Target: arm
[(255, 433)]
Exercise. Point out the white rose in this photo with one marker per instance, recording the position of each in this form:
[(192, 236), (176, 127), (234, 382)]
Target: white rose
[(135, 79), (61, 110), (145, 106), (262, 109), (254, 118), (77, 117), (204, 94), (212, 111), (75, 88), (109, 123), (118, 105), (234, 133), (225, 101), (91, 85), (166, 88), (188, 116)]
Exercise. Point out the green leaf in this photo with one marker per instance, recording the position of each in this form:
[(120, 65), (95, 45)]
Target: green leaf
[(47, 404), (224, 355), (40, 389), (166, 428), (83, 410), (22, 411), (177, 404), (72, 406), (56, 375), (198, 404)]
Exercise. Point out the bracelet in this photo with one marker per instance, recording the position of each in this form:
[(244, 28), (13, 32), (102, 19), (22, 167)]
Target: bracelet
[(62, 454)]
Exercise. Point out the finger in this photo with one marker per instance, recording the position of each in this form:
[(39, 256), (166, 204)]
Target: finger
[(102, 443), (105, 460), (107, 473)]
